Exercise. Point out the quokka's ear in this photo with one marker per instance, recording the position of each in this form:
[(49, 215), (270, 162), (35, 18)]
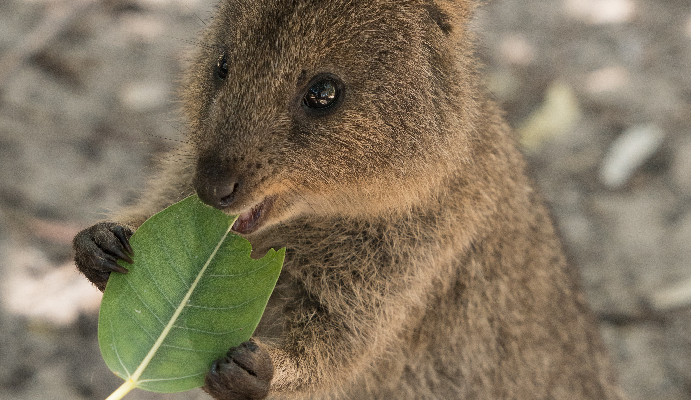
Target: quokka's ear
[(451, 15)]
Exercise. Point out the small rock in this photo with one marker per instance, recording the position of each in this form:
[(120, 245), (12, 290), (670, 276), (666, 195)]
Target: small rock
[(180, 5), (671, 298), (629, 152), (608, 79), (144, 96), (517, 50), (557, 115), (142, 28), (600, 12)]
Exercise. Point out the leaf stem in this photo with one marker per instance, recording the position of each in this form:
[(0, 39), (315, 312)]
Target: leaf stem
[(176, 314), (122, 390)]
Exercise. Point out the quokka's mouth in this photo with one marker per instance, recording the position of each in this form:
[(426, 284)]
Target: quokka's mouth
[(250, 220)]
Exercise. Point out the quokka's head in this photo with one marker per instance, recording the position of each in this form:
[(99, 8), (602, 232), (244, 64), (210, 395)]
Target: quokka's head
[(332, 107)]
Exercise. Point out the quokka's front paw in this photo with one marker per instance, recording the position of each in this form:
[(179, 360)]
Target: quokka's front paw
[(244, 374), (98, 248)]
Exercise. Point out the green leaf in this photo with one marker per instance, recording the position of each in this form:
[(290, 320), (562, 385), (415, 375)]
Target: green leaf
[(192, 293)]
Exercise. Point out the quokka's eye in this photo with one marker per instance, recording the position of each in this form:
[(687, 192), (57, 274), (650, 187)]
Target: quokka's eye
[(323, 94), (222, 66)]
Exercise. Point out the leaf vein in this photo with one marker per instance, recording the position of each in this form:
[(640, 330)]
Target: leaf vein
[(171, 379), (116, 350), (239, 305), (140, 325), (178, 311), (145, 304), (161, 244), (172, 346), (243, 274), (157, 284), (209, 332)]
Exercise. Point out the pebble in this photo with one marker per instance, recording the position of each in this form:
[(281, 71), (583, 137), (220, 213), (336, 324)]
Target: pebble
[(142, 28), (557, 115), (608, 79), (671, 298), (629, 152), (599, 12), (181, 5), (144, 96), (517, 50)]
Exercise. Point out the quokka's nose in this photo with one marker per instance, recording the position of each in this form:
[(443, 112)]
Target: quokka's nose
[(215, 185), (219, 195)]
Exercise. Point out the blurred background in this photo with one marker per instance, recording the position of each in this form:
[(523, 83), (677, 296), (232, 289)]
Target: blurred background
[(599, 91)]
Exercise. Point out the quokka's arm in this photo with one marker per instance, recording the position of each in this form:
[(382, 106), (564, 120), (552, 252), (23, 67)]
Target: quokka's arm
[(354, 314)]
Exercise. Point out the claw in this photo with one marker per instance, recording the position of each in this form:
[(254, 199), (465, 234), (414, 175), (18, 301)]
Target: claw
[(112, 265), (123, 234), (122, 255), (244, 373)]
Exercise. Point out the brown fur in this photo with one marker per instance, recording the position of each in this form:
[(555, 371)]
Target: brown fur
[(421, 262)]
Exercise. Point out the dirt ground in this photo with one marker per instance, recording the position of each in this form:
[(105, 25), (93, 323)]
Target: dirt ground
[(598, 89)]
